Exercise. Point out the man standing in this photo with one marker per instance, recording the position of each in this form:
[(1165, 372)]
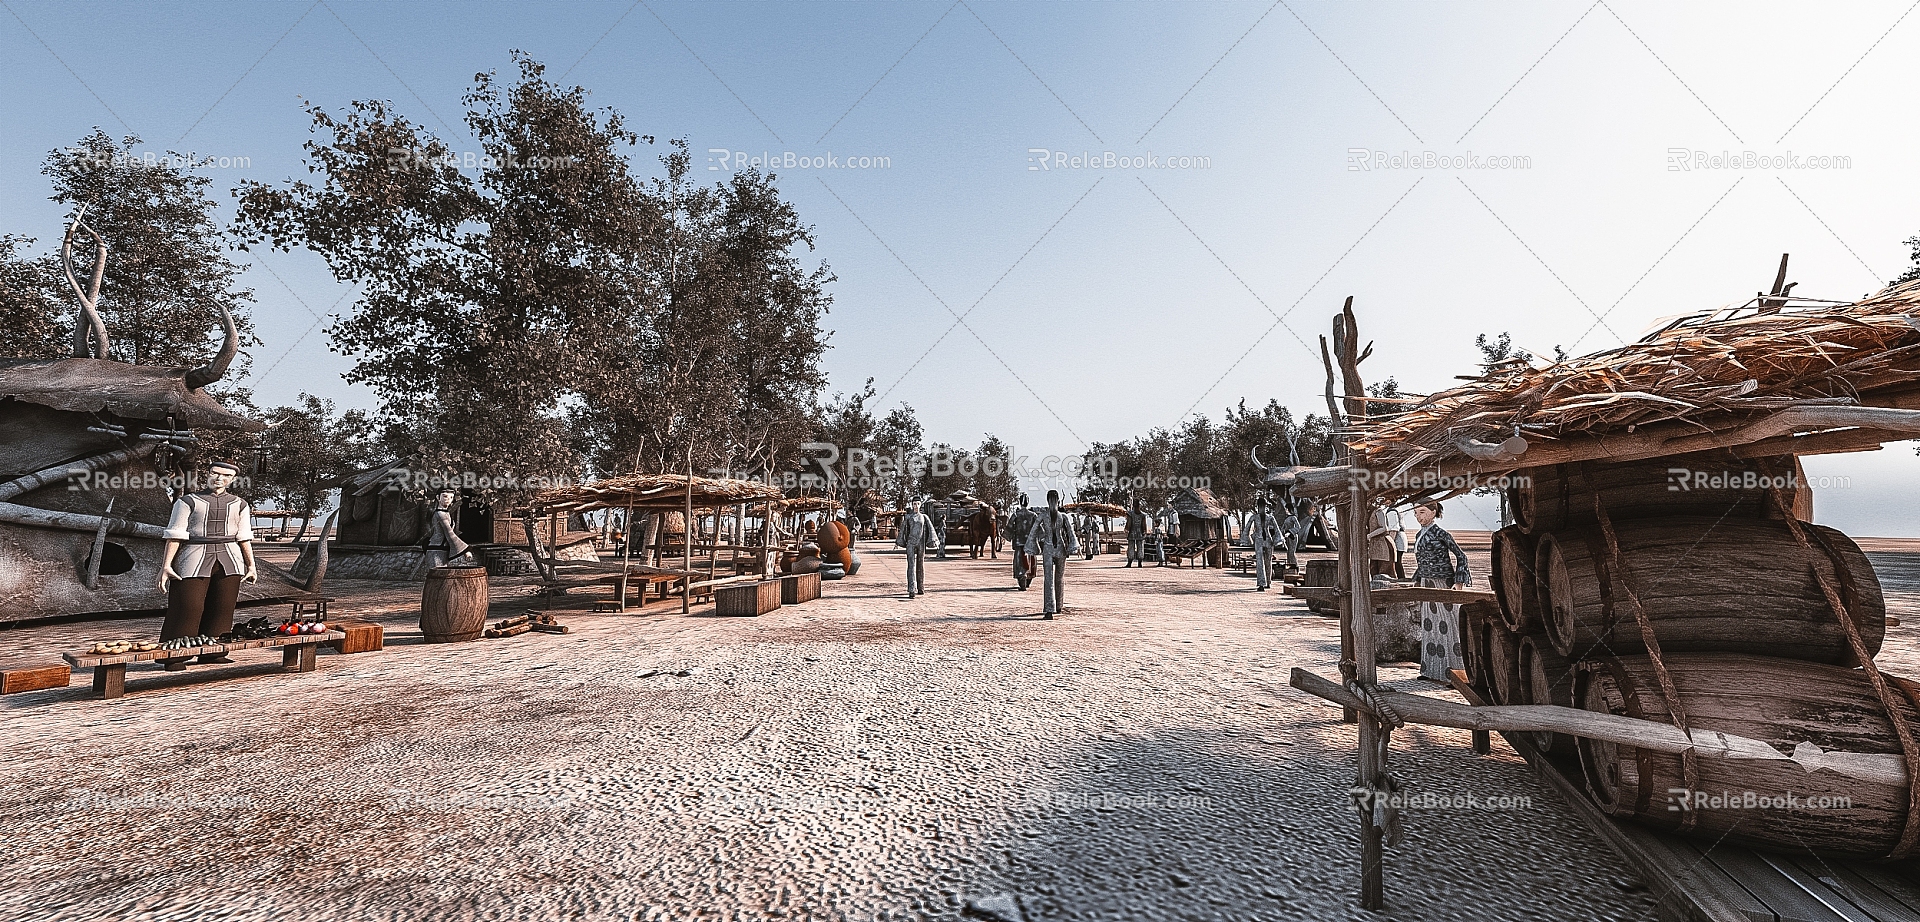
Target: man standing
[(1166, 527), (1089, 535), (916, 530), (1019, 526), (1136, 533), (1052, 540), (1266, 536), (207, 555), (442, 541)]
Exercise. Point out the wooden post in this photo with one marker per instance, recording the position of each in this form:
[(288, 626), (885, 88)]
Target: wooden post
[(686, 544), (1373, 736)]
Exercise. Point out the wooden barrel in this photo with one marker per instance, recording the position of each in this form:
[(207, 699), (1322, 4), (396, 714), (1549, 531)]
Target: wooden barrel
[(1514, 583), (1719, 485), (1323, 571), (1785, 703), (1503, 665), (453, 606), (1709, 586), (1545, 677)]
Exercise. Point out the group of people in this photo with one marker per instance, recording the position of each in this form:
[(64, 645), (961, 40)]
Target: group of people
[(1048, 535), (1148, 533)]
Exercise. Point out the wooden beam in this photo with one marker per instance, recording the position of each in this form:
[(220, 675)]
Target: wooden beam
[(1878, 768)]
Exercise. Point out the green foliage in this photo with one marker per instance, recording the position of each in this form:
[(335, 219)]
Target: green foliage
[(36, 326), (309, 445)]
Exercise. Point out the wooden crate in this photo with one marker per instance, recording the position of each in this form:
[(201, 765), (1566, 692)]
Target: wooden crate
[(362, 637), (799, 587), (35, 679), (748, 600)]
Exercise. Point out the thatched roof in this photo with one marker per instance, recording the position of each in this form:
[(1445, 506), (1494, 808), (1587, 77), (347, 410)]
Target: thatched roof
[(801, 504), (1107, 510), (79, 385), (1806, 378), (653, 491), (1197, 503)]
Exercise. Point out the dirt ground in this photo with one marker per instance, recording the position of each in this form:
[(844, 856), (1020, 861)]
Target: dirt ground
[(858, 757)]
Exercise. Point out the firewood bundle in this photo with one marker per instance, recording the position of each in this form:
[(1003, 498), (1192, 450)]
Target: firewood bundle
[(1715, 611), (513, 627)]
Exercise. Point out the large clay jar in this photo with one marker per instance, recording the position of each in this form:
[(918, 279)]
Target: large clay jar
[(787, 559), (834, 539), (809, 561)]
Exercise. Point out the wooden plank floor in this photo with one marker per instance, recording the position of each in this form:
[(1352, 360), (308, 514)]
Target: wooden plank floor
[(1692, 882)]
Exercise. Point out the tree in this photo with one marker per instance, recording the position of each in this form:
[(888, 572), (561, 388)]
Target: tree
[(487, 300), (731, 336), (307, 446), (37, 326), (847, 425), (995, 480), (1913, 271), (167, 272), (896, 446)]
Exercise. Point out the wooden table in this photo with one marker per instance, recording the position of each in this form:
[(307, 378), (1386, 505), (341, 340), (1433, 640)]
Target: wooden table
[(110, 669)]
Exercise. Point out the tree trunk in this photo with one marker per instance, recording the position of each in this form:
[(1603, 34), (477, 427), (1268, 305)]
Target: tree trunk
[(1708, 586), (1785, 703)]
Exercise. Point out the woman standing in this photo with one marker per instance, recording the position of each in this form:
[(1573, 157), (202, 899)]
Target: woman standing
[(1438, 562)]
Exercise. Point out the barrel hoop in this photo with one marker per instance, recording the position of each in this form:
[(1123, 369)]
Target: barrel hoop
[(1689, 760), (1643, 758), (1909, 749), (1603, 571)]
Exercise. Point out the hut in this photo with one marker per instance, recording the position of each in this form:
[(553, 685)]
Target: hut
[(1664, 619), (92, 452), (1204, 520)]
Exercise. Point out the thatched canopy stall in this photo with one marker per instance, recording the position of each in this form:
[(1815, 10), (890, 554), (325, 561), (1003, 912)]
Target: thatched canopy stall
[(1664, 614), (1103, 510), (1202, 519), (661, 495)]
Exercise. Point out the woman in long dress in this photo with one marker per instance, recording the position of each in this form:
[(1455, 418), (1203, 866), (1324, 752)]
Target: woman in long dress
[(1439, 562)]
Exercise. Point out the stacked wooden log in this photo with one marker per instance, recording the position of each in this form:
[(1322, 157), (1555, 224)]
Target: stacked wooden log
[(1614, 573)]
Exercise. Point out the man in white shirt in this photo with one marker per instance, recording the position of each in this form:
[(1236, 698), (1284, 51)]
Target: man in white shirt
[(916, 532), (208, 554)]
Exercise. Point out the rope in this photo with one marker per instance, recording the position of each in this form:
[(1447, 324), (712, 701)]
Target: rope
[(1375, 704), (1910, 829), (1689, 761)]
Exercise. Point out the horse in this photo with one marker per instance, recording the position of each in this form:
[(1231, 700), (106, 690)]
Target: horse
[(983, 531)]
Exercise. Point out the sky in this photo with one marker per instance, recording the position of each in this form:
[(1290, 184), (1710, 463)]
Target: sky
[(1543, 169)]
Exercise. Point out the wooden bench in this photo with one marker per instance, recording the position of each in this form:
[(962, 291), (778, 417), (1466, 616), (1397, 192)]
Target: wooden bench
[(623, 585), (110, 670)]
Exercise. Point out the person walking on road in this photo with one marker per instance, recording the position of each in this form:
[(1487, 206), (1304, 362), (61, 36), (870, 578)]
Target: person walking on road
[(1052, 540), (1019, 525), (916, 532), (1266, 536)]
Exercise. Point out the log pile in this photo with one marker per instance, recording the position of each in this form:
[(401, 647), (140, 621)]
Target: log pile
[(1711, 611)]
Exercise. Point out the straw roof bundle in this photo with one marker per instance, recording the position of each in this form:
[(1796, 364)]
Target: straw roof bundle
[(807, 504), (1709, 374), (1105, 510), (653, 491)]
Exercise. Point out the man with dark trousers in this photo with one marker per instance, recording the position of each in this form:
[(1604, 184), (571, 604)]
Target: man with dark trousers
[(208, 554), (1136, 533)]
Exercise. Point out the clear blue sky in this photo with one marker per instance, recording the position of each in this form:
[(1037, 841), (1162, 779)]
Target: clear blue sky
[(1101, 302)]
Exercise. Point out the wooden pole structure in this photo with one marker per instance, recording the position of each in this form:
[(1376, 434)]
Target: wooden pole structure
[(686, 544), (1356, 609)]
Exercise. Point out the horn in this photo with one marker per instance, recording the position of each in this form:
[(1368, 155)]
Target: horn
[(1255, 453), (211, 372)]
